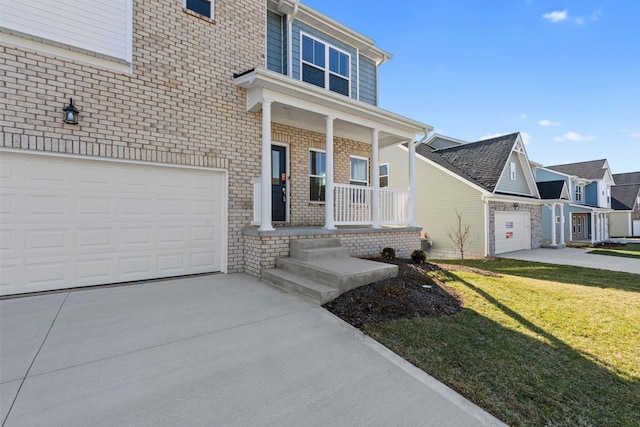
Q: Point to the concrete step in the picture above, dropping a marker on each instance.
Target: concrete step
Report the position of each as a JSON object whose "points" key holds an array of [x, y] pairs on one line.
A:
{"points": [[342, 273], [302, 244], [315, 292], [319, 253]]}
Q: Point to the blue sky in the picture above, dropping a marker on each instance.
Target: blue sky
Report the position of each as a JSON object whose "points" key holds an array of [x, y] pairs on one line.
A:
{"points": [[564, 73]]}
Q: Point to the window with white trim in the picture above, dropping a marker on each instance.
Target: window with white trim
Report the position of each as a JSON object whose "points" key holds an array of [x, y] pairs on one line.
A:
{"points": [[325, 66], [359, 171], [513, 171], [317, 175], [201, 7], [579, 189], [384, 175]]}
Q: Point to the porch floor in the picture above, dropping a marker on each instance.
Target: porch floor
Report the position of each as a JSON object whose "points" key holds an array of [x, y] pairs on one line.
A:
{"points": [[285, 230]]}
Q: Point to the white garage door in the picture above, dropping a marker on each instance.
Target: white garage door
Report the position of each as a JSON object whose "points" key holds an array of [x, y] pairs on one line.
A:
{"points": [[69, 222], [513, 231], [636, 228]]}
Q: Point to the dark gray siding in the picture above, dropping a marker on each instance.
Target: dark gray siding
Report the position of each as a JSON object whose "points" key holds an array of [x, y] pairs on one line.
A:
{"points": [[276, 43], [368, 81]]}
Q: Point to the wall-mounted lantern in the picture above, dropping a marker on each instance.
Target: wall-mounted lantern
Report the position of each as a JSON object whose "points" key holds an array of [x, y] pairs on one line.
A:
{"points": [[516, 206], [71, 113]]}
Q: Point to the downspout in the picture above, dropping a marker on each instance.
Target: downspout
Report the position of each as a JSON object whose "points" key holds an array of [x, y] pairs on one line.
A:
{"points": [[412, 177], [486, 226], [290, 17], [378, 64]]}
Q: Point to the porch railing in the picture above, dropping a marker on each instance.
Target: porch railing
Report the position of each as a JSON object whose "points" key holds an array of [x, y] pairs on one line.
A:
{"points": [[352, 205], [395, 206]]}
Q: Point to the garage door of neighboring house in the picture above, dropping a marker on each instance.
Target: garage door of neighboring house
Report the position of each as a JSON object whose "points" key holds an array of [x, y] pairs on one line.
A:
{"points": [[636, 228], [70, 222], [513, 231]]}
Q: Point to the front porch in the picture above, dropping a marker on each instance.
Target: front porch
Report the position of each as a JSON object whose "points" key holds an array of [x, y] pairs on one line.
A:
{"points": [[263, 247]]}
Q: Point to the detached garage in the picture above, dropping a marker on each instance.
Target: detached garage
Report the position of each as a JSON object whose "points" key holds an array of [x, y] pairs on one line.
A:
{"points": [[512, 231], [76, 221]]}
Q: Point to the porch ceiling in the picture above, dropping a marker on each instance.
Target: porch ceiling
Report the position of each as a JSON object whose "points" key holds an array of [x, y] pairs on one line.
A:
{"points": [[305, 106]]}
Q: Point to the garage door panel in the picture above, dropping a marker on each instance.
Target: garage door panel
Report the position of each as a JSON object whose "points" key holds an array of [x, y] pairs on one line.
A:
{"points": [[106, 222], [512, 231]]}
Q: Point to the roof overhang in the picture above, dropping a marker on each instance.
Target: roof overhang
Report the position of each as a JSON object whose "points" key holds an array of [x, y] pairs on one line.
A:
{"points": [[303, 105], [327, 25]]}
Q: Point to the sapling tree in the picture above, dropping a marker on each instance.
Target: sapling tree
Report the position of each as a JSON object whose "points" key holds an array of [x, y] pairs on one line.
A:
{"points": [[460, 236]]}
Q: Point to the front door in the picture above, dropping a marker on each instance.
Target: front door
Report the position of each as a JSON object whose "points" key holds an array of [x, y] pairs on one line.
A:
{"points": [[278, 183], [580, 228]]}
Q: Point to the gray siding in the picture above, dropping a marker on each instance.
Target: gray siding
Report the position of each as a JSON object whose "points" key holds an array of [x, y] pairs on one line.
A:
{"points": [[275, 43], [368, 81], [517, 186]]}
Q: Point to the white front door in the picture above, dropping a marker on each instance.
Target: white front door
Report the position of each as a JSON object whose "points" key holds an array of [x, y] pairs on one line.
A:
{"points": [[70, 221]]}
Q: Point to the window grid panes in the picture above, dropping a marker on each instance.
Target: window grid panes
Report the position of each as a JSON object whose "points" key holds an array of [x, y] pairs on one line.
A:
{"points": [[315, 56], [317, 176], [203, 7], [359, 171], [384, 175]]}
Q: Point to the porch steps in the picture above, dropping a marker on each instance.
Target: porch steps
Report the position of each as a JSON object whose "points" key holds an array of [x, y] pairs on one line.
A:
{"points": [[321, 270]]}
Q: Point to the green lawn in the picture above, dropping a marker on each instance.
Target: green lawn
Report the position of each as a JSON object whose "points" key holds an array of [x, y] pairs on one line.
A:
{"points": [[630, 250], [541, 345]]}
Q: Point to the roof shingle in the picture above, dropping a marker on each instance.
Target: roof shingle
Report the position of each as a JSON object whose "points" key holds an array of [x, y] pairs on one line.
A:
{"points": [[594, 169], [479, 162], [623, 197]]}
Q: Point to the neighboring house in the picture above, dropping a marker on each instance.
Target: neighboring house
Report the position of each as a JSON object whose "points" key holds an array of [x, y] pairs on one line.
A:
{"points": [[589, 184], [625, 202], [490, 183], [202, 124]]}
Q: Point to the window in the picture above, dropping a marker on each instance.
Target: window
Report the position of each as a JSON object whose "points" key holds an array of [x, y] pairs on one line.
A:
{"points": [[315, 57], [359, 171], [384, 175], [578, 193], [608, 195], [513, 171], [317, 175], [202, 7]]}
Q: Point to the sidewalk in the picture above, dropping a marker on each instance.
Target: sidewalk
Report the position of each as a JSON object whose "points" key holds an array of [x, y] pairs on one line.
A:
{"points": [[578, 257]]}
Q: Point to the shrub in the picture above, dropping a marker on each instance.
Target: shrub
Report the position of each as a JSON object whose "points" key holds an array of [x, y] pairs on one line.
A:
{"points": [[418, 256], [388, 254]]}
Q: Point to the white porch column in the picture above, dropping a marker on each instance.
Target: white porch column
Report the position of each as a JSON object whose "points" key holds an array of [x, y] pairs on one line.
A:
{"points": [[593, 227], [554, 227], [328, 195], [412, 182], [265, 181], [598, 227], [375, 179], [562, 224]]}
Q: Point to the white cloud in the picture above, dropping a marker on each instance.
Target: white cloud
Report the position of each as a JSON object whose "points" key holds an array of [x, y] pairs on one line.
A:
{"points": [[635, 134], [523, 116], [563, 15], [546, 122], [526, 138], [556, 16], [574, 137]]}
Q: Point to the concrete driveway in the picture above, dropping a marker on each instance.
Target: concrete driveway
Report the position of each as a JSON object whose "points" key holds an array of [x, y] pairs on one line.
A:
{"points": [[578, 257], [224, 350]]}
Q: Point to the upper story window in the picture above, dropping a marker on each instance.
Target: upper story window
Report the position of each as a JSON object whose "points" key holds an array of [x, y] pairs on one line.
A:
{"points": [[608, 196], [384, 175], [317, 175], [202, 7], [513, 171], [579, 189], [359, 171], [325, 66]]}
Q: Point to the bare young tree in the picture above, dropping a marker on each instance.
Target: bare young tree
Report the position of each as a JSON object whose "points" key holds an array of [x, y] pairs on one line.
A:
{"points": [[460, 236]]}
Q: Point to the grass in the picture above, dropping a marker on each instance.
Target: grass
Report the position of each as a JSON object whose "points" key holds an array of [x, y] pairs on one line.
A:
{"points": [[541, 345], [630, 250]]}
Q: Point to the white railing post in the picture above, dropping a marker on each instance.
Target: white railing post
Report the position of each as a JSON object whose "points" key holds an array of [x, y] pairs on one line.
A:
{"points": [[375, 180], [329, 222], [554, 226], [265, 214]]}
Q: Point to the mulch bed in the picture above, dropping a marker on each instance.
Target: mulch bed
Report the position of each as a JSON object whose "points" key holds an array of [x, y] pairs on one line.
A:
{"points": [[413, 294]]}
